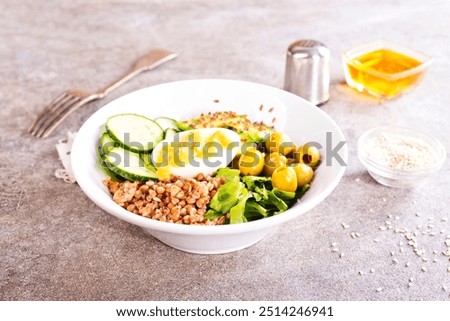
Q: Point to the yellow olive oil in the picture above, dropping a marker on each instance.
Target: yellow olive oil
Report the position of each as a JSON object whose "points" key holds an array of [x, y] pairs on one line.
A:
{"points": [[383, 73]]}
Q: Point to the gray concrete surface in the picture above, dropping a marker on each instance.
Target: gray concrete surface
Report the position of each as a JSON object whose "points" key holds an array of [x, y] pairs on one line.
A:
{"points": [[55, 244]]}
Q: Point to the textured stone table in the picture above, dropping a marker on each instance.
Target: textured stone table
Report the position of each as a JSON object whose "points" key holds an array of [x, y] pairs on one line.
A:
{"points": [[55, 244]]}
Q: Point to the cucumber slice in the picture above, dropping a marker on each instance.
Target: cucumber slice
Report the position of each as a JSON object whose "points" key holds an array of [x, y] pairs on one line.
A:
{"points": [[166, 123], [169, 133], [129, 165], [134, 132], [106, 143]]}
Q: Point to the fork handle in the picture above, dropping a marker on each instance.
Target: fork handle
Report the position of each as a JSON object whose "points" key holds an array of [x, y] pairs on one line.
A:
{"points": [[148, 62]]}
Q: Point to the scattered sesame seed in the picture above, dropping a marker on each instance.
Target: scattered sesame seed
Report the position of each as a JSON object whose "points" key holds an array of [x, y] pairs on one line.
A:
{"points": [[444, 219], [419, 227], [418, 214], [357, 234], [410, 284], [433, 234], [400, 243], [333, 244], [424, 269], [435, 260], [379, 289], [394, 260], [346, 226], [448, 269], [444, 287], [341, 255], [382, 228], [402, 250], [384, 200], [392, 253], [388, 223], [361, 272], [435, 252], [447, 243], [376, 240], [334, 249], [424, 259], [430, 225], [407, 264], [372, 270], [411, 279], [397, 218], [370, 210]]}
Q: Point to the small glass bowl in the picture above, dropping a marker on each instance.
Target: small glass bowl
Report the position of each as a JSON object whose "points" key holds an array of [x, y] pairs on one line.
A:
{"points": [[380, 83], [400, 178]]}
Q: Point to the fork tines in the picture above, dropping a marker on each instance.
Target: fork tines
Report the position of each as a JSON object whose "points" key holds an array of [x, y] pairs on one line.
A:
{"points": [[56, 112]]}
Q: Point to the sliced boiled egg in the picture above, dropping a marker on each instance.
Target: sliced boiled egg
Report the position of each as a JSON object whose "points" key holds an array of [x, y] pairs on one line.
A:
{"points": [[196, 151]]}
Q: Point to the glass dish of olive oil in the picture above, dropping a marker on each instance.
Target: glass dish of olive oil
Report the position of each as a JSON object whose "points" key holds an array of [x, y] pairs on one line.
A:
{"points": [[383, 69]]}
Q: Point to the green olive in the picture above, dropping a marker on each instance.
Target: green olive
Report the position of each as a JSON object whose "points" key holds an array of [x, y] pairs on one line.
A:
{"points": [[304, 174], [308, 154], [279, 142]]}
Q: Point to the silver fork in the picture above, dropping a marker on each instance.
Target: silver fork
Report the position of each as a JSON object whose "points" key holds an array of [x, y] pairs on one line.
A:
{"points": [[73, 99]]}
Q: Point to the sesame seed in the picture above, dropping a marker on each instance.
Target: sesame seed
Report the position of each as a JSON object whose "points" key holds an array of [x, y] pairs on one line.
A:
{"points": [[435, 252], [384, 200], [444, 219], [372, 270], [410, 284], [400, 243], [448, 269], [370, 210], [361, 272], [444, 287], [376, 240], [389, 216], [382, 228], [333, 244], [394, 260], [407, 264], [357, 234], [392, 253], [341, 255], [435, 260], [379, 289], [418, 214], [345, 226], [397, 218], [424, 259], [424, 269], [411, 279], [334, 250], [388, 223], [433, 234], [402, 250]]}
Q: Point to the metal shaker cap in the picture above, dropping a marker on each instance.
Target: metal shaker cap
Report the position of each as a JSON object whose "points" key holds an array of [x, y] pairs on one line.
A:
{"points": [[308, 71]]}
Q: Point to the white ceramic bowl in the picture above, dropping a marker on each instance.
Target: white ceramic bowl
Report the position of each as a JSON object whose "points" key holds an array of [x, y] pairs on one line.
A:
{"points": [[302, 121]]}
